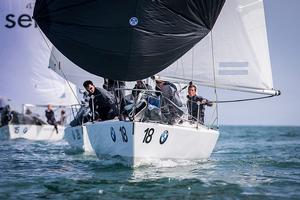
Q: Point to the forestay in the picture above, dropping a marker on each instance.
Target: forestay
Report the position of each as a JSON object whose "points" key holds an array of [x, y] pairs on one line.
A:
{"points": [[236, 52]]}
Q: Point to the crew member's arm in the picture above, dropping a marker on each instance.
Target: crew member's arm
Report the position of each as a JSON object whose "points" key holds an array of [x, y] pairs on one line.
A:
{"points": [[206, 102]]}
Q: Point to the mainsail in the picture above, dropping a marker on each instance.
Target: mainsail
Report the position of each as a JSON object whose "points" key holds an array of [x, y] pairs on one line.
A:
{"points": [[234, 56], [126, 40], [25, 76]]}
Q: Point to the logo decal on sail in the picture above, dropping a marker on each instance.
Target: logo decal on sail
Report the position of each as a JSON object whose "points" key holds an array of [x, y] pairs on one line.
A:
{"points": [[112, 134], [163, 137], [133, 21]]}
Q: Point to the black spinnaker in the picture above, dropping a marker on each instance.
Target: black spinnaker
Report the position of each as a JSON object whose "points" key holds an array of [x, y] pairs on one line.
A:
{"points": [[125, 39]]}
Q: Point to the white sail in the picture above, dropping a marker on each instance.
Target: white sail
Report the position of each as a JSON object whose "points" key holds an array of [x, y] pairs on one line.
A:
{"points": [[238, 47], [24, 54], [69, 71]]}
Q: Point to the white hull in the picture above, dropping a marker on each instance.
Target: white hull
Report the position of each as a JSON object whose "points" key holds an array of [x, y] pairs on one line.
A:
{"points": [[31, 132], [137, 141]]}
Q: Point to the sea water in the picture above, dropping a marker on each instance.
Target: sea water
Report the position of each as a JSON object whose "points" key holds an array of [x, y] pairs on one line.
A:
{"points": [[247, 163]]}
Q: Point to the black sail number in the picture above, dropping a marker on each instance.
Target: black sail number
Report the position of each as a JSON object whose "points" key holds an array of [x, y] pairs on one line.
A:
{"points": [[123, 134], [148, 135], [25, 130], [17, 129], [113, 134], [76, 134]]}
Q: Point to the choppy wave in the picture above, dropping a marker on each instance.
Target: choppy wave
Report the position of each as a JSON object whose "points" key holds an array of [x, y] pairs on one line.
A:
{"points": [[248, 163]]}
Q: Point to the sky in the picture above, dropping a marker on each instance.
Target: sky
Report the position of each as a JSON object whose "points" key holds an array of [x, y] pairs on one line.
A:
{"points": [[283, 28]]}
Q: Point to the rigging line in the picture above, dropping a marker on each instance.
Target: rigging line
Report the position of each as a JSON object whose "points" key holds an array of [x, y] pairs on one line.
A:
{"points": [[48, 47], [240, 100], [214, 75], [46, 43], [183, 73], [193, 64], [65, 77], [68, 83], [212, 119]]}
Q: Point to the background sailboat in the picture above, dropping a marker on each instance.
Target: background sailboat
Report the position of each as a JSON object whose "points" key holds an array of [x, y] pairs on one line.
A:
{"points": [[25, 76]]}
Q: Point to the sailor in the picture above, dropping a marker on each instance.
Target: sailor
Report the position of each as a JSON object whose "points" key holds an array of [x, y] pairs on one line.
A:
{"points": [[33, 117], [102, 102], [84, 113], [111, 85], [5, 112], [140, 85], [63, 117], [50, 117], [117, 88], [196, 104], [170, 101]]}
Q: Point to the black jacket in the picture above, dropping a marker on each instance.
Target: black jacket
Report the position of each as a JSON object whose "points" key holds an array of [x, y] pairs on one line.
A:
{"points": [[193, 107], [169, 90], [50, 116], [104, 101], [145, 86], [103, 98]]}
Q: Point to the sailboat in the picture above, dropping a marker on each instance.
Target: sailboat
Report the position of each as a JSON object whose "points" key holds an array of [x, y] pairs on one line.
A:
{"points": [[26, 79], [219, 44]]}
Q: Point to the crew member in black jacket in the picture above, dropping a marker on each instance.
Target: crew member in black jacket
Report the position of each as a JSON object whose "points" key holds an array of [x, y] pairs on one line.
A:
{"points": [[103, 102], [196, 104]]}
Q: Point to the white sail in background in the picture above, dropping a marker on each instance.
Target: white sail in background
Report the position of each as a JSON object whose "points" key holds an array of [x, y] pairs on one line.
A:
{"points": [[68, 70], [240, 52], [24, 54]]}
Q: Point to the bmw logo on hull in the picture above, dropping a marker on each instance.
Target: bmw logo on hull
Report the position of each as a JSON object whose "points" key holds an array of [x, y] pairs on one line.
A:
{"points": [[163, 137], [133, 21]]}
